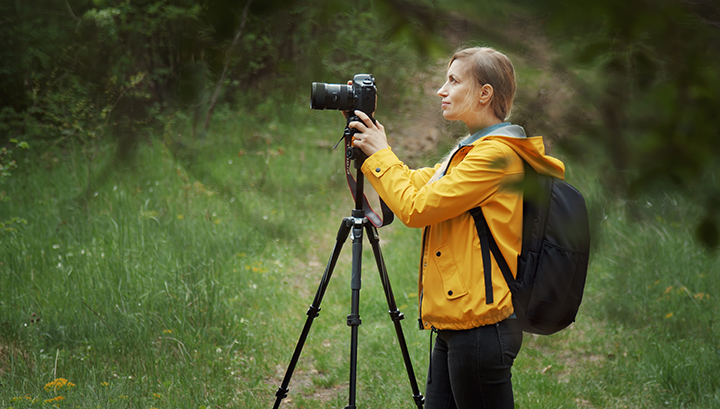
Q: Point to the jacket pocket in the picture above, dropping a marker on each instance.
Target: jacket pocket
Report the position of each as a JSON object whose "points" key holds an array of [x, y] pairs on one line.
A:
{"points": [[447, 267]]}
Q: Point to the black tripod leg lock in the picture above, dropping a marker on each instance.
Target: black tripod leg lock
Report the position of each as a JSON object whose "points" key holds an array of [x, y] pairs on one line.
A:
{"points": [[353, 320], [313, 311], [282, 393], [397, 316]]}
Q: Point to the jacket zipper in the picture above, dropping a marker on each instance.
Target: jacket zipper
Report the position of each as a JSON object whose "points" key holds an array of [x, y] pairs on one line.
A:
{"points": [[422, 274], [449, 162], [430, 360], [424, 242]]}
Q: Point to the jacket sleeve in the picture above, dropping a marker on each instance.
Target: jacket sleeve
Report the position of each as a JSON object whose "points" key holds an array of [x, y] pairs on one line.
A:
{"points": [[420, 177], [468, 184]]}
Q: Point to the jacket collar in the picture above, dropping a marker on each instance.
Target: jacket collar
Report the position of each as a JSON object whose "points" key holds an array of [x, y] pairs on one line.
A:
{"points": [[501, 129]]}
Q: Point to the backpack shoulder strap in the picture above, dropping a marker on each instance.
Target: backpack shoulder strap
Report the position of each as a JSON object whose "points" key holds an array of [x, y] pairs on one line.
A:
{"points": [[487, 245], [483, 232]]}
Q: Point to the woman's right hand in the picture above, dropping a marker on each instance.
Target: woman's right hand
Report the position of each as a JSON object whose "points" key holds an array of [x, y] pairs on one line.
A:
{"points": [[370, 136]]}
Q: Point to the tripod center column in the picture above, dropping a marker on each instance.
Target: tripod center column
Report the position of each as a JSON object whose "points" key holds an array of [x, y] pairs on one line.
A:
{"points": [[356, 235]]}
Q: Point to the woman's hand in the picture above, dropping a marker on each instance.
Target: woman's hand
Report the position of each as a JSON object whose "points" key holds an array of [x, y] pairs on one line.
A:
{"points": [[370, 137]]}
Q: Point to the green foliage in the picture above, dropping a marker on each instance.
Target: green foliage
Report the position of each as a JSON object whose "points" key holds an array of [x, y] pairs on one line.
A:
{"points": [[116, 69], [7, 164]]}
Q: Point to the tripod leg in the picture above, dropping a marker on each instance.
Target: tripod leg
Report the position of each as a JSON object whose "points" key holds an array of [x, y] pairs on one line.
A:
{"points": [[314, 309], [395, 314], [353, 320]]}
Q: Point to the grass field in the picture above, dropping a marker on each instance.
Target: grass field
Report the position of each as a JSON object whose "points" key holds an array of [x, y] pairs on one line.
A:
{"points": [[180, 278]]}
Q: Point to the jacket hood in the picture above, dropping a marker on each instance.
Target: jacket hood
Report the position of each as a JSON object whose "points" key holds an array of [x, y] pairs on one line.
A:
{"points": [[532, 150]]}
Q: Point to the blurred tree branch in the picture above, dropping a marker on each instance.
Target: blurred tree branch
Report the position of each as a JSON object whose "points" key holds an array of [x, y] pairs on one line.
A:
{"points": [[231, 48]]}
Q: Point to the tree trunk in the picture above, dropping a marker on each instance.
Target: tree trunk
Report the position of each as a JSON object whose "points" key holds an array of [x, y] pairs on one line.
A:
{"points": [[218, 87]]}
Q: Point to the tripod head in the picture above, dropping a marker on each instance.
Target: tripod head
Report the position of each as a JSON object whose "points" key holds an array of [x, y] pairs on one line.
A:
{"points": [[351, 152], [362, 207]]}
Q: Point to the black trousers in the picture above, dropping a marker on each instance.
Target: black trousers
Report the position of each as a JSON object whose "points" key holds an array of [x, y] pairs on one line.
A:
{"points": [[470, 369]]}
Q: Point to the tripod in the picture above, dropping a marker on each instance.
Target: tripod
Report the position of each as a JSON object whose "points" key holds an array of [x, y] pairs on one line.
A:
{"points": [[354, 227]]}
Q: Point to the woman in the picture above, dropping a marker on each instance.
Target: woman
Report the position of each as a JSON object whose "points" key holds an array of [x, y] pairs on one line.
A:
{"points": [[478, 337]]}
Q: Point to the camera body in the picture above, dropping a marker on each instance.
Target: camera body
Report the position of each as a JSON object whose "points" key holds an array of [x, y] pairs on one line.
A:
{"points": [[361, 95]]}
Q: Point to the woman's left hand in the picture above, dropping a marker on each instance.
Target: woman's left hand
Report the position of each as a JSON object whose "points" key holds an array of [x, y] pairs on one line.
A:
{"points": [[370, 137]]}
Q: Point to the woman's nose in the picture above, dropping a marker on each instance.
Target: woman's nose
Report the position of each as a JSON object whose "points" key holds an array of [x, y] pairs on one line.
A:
{"points": [[441, 92]]}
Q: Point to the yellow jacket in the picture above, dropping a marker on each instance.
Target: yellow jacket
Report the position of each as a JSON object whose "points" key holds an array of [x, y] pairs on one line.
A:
{"points": [[480, 173]]}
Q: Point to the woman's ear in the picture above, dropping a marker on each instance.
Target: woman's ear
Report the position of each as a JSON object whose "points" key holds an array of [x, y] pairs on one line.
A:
{"points": [[486, 93]]}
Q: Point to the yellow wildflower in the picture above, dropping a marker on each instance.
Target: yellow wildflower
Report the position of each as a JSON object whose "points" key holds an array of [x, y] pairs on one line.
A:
{"points": [[55, 399], [58, 384]]}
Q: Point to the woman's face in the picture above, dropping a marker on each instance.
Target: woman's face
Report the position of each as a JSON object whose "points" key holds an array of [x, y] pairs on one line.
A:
{"points": [[456, 93]]}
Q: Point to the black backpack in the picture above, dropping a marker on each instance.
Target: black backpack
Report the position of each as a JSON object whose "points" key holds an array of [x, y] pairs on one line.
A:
{"points": [[552, 265]]}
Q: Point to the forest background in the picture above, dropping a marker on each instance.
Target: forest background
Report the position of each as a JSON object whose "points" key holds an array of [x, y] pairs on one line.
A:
{"points": [[167, 197]]}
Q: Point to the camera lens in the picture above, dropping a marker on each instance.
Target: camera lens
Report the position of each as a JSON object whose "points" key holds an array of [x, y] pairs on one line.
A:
{"points": [[331, 96]]}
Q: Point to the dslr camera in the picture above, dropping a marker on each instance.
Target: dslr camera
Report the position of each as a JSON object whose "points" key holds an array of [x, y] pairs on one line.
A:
{"points": [[361, 95]]}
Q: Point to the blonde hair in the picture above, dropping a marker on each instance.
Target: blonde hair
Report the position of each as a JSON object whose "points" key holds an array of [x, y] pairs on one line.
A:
{"points": [[489, 66]]}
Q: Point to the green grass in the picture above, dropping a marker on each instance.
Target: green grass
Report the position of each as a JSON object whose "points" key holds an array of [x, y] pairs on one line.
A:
{"points": [[180, 279]]}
